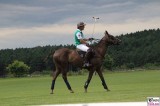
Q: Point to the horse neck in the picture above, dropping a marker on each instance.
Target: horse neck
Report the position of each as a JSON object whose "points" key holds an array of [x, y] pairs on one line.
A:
{"points": [[101, 47]]}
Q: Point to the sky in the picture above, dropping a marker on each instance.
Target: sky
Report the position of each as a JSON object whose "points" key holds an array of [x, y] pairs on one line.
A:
{"points": [[31, 23]]}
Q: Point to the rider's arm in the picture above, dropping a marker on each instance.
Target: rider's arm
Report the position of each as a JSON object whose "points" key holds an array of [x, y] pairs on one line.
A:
{"points": [[84, 41]]}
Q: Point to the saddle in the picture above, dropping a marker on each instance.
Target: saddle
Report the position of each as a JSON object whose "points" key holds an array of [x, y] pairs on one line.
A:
{"points": [[81, 53], [86, 57]]}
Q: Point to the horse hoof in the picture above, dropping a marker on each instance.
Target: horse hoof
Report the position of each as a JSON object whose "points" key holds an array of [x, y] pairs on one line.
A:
{"points": [[71, 91], [108, 90], [85, 90], [51, 92]]}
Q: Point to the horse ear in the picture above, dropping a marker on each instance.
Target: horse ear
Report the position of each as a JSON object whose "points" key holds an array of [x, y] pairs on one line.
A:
{"points": [[106, 32]]}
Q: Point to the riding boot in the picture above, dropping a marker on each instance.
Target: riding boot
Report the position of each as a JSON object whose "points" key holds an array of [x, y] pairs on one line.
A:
{"points": [[87, 58]]}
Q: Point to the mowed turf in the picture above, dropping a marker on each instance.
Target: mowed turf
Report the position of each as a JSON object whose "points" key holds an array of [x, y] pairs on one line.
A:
{"points": [[125, 86]]}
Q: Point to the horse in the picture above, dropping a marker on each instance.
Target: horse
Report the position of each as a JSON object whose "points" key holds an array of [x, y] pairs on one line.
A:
{"points": [[64, 57]]}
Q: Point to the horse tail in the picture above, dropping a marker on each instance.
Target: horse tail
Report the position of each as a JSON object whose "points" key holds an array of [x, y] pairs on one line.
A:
{"points": [[49, 55], [49, 61]]}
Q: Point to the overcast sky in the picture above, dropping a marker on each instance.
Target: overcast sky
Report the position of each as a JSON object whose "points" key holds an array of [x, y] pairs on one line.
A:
{"points": [[31, 23]]}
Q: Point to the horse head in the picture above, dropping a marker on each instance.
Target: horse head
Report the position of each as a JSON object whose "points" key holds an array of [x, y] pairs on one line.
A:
{"points": [[111, 40]]}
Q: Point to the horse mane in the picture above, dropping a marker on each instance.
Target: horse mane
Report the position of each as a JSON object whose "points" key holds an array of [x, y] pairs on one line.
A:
{"points": [[101, 42], [100, 47]]}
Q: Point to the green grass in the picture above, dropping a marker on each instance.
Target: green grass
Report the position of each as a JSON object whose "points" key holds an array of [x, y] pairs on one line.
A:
{"points": [[124, 86]]}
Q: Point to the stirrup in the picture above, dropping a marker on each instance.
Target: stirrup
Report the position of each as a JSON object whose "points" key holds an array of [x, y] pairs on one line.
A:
{"points": [[87, 65]]}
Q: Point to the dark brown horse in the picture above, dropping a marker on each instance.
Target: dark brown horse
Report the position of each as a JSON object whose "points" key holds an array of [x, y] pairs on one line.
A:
{"points": [[63, 57]]}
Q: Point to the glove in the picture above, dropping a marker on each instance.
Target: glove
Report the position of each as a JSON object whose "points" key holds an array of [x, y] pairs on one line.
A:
{"points": [[91, 39]]}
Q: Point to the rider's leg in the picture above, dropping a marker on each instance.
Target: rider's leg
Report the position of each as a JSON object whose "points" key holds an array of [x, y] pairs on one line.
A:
{"points": [[82, 47], [88, 57], [88, 51]]}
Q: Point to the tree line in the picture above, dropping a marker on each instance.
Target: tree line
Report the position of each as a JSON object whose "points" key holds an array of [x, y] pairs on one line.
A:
{"points": [[136, 50]]}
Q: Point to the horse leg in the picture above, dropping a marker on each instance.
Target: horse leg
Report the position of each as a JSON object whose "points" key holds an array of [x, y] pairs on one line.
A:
{"points": [[64, 75], [88, 80], [102, 79], [56, 73]]}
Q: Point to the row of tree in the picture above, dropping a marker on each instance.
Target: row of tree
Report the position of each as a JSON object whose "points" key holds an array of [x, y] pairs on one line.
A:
{"points": [[35, 58], [136, 49]]}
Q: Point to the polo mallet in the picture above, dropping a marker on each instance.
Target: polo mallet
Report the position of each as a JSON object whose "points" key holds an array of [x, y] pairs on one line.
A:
{"points": [[95, 20]]}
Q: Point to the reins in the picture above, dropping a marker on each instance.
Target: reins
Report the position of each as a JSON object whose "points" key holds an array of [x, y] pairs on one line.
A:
{"points": [[96, 41]]}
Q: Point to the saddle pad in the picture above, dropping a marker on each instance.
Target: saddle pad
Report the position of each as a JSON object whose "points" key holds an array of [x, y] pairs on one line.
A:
{"points": [[81, 53]]}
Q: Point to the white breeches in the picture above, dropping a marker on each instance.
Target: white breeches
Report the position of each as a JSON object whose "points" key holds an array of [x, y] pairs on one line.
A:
{"points": [[82, 47]]}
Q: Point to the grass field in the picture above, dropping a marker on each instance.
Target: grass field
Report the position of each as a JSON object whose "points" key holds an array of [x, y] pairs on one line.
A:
{"points": [[125, 86]]}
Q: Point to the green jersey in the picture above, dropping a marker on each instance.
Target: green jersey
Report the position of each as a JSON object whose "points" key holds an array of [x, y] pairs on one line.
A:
{"points": [[77, 36]]}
